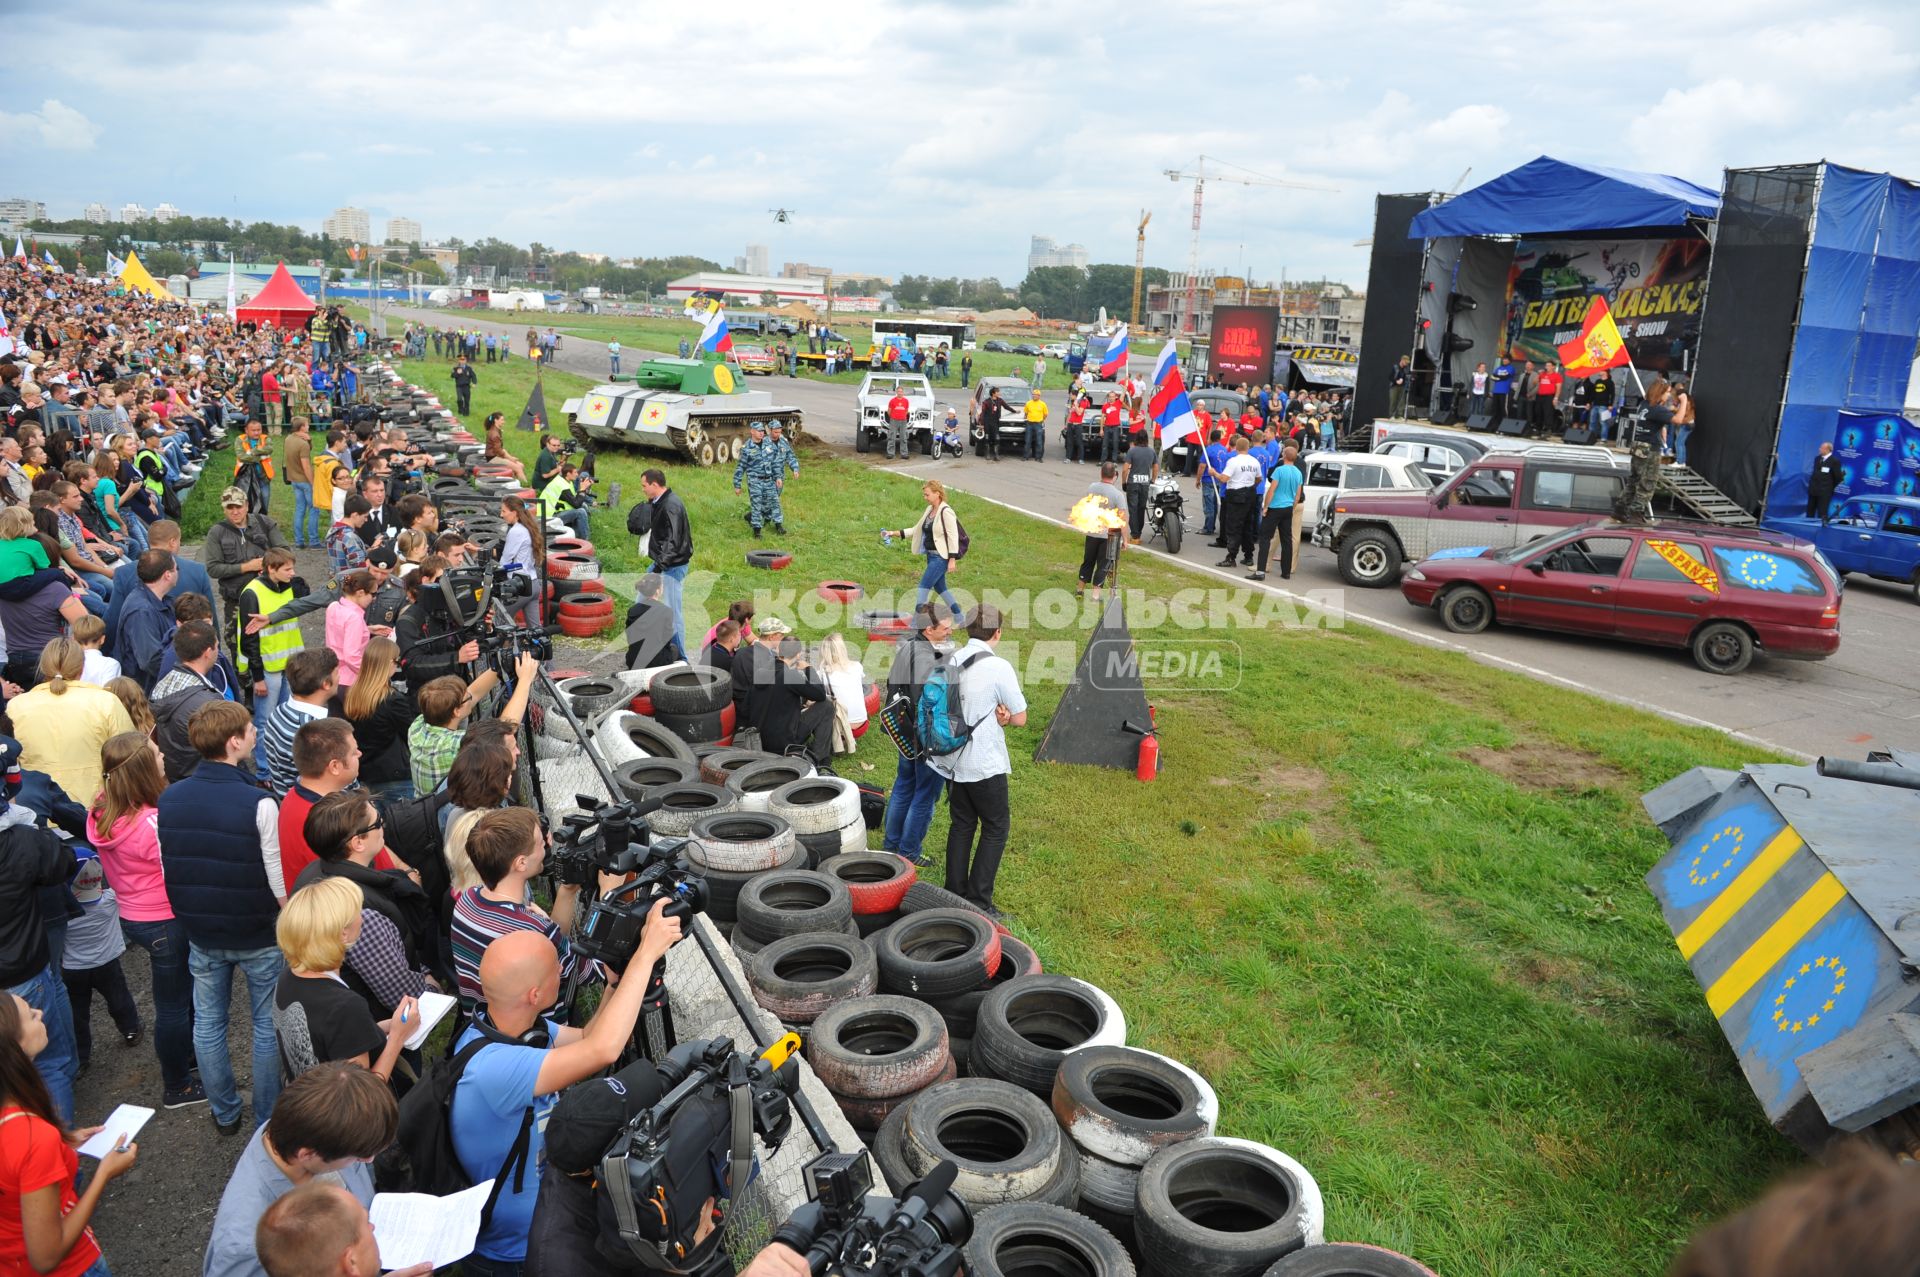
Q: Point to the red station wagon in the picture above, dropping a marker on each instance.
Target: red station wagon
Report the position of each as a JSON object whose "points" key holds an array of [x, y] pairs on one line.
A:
{"points": [[1719, 592]]}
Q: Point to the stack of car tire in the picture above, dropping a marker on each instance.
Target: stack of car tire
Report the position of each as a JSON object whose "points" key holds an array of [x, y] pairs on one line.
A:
{"points": [[577, 598], [940, 1037]]}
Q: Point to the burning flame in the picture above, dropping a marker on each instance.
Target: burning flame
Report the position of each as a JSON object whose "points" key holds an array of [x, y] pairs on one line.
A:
{"points": [[1095, 516]]}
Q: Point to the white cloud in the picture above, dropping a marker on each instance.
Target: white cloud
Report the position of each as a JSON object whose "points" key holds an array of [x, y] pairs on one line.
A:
{"points": [[392, 148], [59, 126]]}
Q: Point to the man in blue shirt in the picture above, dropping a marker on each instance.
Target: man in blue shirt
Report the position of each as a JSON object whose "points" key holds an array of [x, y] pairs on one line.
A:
{"points": [[1503, 389], [1217, 456], [162, 534], [513, 1082], [1283, 498]]}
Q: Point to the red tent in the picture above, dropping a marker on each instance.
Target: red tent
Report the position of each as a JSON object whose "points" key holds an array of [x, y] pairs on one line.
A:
{"points": [[280, 304]]}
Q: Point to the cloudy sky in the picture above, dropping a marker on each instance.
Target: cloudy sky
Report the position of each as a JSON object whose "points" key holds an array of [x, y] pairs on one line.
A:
{"points": [[916, 135]]}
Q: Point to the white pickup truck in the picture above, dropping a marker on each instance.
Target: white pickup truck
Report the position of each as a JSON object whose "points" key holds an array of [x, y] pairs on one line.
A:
{"points": [[870, 417]]}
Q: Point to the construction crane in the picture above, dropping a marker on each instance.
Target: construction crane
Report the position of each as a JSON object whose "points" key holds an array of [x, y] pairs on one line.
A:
{"points": [[1200, 178], [1139, 268]]}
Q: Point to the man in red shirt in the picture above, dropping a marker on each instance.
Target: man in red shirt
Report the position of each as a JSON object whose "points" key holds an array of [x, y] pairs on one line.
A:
{"points": [[270, 394], [328, 760], [898, 409], [1250, 423], [1113, 443], [1542, 415]]}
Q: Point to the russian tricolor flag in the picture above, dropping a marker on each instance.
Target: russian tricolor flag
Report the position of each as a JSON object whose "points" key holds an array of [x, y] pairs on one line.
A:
{"points": [[1169, 406], [714, 336], [1115, 360]]}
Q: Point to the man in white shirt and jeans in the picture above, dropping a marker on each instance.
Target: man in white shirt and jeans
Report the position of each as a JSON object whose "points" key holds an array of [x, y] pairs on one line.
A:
{"points": [[990, 700]]}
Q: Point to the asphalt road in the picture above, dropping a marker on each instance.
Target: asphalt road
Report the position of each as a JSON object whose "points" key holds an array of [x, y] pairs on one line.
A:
{"points": [[1865, 697]]}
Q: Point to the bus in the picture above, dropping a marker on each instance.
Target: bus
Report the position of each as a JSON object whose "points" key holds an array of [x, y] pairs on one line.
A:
{"points": [[922, 334]]}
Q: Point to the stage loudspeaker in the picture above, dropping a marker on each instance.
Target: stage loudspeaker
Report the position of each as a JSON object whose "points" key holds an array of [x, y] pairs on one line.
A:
{"points": [[1480, 422], [1578, 434], [1089, 726], [1513, 426]]}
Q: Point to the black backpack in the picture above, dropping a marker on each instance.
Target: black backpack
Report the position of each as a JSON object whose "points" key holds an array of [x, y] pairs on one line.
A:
{"points": [[422, 1158]]}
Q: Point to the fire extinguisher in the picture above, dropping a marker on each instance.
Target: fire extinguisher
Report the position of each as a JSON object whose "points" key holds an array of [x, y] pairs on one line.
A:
{"points": [[1147, 765]]}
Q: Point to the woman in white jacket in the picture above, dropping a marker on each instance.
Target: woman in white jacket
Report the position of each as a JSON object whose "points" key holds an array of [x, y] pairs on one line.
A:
{"points": [[937, 536]]}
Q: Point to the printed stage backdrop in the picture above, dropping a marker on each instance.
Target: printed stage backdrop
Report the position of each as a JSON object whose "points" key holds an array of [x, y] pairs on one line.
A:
{"points": [[1653, 286]]}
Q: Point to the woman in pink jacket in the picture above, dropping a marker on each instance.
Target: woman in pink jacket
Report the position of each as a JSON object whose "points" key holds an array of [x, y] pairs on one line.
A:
{"points": [[121, 825], [347, 631]]}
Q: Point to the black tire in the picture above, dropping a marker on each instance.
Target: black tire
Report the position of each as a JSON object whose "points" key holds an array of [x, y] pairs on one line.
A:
{"points": [[1722, 647], [755, 782], [889, 1149], [590, 697], [792, 903], [962, 1048], [1226, 1207], [1027, 1238], [860, 442], [926, 444], [800, 976], [685, 804], [724, 886], [821, 847], [922, 896], [1123, 1106], [867, 1115], [1370, 559], [690, 690], [1027, 1026], [695, 729], [1004, 1142], [643, 775], [878, 1047], [817, 804], [740, 842], [939, 952], [1347, 1259], [1107, 1186], [1465, 609], [654, 740], [870, 925], [769, 559], [719, 762], [1171, 527], [962, 1010]]}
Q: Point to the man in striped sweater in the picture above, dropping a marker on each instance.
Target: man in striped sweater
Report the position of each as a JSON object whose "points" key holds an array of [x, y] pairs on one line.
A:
{"points": [[508, 848]]}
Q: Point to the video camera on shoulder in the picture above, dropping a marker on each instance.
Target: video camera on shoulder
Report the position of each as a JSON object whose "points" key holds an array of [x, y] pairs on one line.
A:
{"points": [[616, 839], [661, 1140], [847, 1230]]}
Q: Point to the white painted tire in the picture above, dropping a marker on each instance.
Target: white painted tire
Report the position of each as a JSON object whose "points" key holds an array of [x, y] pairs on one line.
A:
{"points": [[817, 804]]}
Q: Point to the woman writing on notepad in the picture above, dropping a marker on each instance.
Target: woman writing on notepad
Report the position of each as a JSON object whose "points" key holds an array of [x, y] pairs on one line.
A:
{"points": [[43, 1221], [316, 1017], [395, 956]]}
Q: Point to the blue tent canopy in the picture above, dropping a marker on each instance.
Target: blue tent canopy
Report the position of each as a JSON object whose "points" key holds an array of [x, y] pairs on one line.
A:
{"points": [[1552, 197]]}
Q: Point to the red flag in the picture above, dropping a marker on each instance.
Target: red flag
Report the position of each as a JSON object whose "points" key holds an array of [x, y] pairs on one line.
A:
{"points": [[1599, 345]]}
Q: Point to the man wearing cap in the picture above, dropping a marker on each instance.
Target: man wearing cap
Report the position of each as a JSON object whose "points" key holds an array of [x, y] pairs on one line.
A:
{"points": [[794, 711], [463, 379], [753, 668], [520, 1063], [784, 459], [236, 549], [757, 468]]}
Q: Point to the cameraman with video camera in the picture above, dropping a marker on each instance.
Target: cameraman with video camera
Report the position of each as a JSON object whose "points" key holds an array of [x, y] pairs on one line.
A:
{"points": [[510, 1085]]}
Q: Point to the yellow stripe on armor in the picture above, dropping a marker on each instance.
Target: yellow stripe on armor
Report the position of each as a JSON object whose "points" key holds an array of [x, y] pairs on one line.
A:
{"points": [[1765, 953], [1729, 902]]}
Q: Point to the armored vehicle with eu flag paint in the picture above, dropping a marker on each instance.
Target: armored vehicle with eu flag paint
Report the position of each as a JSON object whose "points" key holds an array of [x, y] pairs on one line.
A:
{"points": [[699, 409], [1793, 893]]}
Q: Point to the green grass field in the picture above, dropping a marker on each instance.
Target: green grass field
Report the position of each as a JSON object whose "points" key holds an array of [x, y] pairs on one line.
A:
{"points": [[1388, 900]]}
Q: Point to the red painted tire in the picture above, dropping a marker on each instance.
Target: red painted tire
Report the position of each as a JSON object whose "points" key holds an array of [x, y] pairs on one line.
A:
{"points": [[642, 704], [875, 880], [771, 560], [840, 591], [569, 545], [579, 627], [561, 676], [873, 699], [594, 586], [860, 729], [558, 567], [885, 636], [587, 607], [525, 494], [564, 566], [728, 722]]}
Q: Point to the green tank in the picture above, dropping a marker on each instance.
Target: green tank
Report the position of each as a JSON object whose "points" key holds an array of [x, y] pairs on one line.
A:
{"points": [[696, 408]]}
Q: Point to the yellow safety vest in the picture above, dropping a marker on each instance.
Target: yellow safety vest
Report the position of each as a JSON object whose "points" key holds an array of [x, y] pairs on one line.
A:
{"points": [[278, 642], [557, 495]]}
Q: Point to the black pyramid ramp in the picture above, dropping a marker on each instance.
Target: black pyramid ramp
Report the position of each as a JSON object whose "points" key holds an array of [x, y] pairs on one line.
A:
{"points": [[534, 415], [1106, 693]]}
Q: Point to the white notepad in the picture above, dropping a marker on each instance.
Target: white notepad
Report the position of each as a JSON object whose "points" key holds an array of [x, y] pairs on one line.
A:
{"points": [[433, 1009], [126, 1120]]}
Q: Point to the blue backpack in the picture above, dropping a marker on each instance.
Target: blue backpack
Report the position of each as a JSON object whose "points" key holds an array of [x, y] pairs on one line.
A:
{"points": [[939, 724]]}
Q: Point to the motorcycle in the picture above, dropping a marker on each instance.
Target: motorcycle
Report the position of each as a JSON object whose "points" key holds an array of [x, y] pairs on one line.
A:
{"points": [[1167, 512]]}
